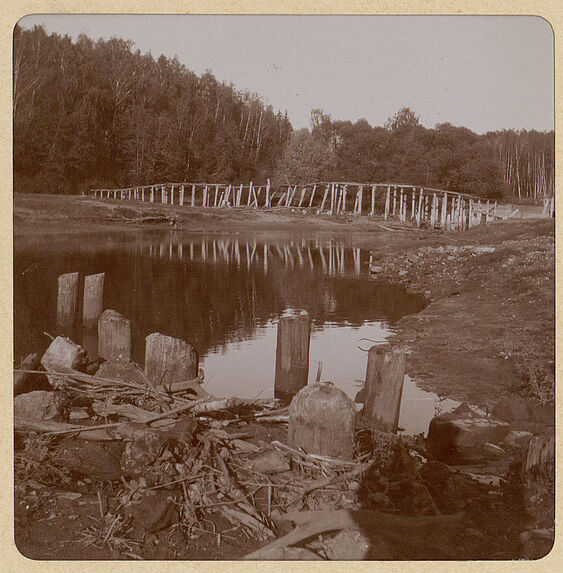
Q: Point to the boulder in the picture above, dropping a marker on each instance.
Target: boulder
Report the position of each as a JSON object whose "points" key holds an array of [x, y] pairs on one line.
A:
{"points": [[463, 428], [122, 368], [517, 440], [269, 462], [26, 381], [63, 353], [155, 512], [91, 459], [38, 405]]}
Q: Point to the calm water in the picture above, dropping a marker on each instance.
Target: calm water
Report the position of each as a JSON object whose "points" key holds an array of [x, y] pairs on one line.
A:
{"points": [[224, 295]]}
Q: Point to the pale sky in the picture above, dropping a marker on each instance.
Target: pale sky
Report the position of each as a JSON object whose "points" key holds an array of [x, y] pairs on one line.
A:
{"points": [[481, 72]]}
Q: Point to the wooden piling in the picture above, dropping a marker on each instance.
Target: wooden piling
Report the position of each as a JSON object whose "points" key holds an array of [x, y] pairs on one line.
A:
{"points": [[152, 194], [169, 359], [312, 196], [387, 202], [322, 421], [292, 354], [267, 203], [182, 192], [114, 335], [324, 198], [372, 200], [93, 299], [384, 387], [394, 199], [193, 196], [303, 189], [67, 299]]}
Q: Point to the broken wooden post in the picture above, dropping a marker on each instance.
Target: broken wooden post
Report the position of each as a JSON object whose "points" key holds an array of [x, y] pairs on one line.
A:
{"points": [[322, 420], [93, 299], [114, 335], [67, 300], [384, 387], [292, 354], [169, 359]]}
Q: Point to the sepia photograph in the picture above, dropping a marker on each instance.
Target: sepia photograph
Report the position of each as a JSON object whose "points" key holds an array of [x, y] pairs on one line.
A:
{"points": [[283, 287]]}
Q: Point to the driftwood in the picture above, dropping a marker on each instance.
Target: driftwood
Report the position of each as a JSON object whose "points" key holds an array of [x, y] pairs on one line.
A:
{"points": [[312, 523]]}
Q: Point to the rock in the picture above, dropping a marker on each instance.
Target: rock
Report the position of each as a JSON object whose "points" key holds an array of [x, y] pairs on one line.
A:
{"points": [[27, 382], [63, 353], [403, 273], [462, 428], [122, 368], [155, 512], [493, 449], [517, 440], [38, 405], [354, 545], [91, 459], [376, 269], [270, 462]]}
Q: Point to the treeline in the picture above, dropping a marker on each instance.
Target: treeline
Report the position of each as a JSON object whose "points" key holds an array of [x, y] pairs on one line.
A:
{"points": [[99, 114], [495, 164], [96, 114]]}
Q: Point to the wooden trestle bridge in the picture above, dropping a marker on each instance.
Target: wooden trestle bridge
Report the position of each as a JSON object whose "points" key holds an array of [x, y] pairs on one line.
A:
{"points": [[421, 206]]}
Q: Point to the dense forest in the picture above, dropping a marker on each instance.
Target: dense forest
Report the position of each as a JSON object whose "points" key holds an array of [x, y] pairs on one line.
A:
{"points": [[100, 114]]}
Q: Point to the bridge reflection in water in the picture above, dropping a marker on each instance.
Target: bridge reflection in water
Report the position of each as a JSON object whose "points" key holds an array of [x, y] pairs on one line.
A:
{"points": [[332, 258]]}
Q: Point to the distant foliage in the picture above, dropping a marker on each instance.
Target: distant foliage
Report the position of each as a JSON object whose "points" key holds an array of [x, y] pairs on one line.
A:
{"points": [[100, 114], [403, 151]]}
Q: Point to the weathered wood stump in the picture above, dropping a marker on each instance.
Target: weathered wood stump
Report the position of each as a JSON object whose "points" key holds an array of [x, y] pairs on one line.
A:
{"points": [[292, 353], [93, 299], [384, 387], [67, 300], [322, 420], [169, 359], [540, 460], [114, 335]]}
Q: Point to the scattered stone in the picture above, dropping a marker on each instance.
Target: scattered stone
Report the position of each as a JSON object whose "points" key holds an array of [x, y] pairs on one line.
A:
{"points": [[38, 405], [26, 381], [376, 269], [463, 428], [155, 512], [493, 449], [122, 368], [348, 545], [517, 439], [91, 459], [78, 413], [270, 462], [63, 353]]}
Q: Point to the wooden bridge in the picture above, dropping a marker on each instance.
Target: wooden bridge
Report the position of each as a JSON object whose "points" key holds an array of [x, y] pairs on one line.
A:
{"points": [[421, 206]]}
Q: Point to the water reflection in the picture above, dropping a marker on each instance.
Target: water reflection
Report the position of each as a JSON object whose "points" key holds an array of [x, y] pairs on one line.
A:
{"points": [[221, 293]]}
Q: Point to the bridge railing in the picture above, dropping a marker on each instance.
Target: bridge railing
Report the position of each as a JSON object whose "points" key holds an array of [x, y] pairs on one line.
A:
{"points": [[418, 205]]}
